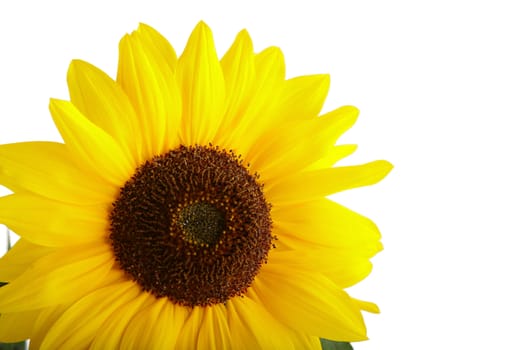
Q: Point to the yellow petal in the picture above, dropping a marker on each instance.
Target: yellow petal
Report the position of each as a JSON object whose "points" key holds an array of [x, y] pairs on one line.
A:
{"points": [[324, 222], [17, 326], [269, 65], [202, 87], [111, 330], [58, 177], [49, 223], [276, 101], [367, 306], [309, 303], [320, 183], [345, 268], [158, 43], [304, 97], [214, 333], [150, 82], [205, 328], [59, 277], [46, 318], [336, 122], [92, 146], [80, 323], [332, 156], [293, 146], [305, 341], [245, 318], [265, 97], [238, 66], [155, 327], [188, 337], [100, 99], [19, 258], [285, 149]]}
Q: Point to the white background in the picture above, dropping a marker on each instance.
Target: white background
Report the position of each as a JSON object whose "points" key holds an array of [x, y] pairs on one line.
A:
{"points": [[441, 89]]}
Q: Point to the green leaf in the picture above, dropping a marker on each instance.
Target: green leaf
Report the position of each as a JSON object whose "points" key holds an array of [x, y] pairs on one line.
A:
{"points": [[13, 346], [335, 345]]}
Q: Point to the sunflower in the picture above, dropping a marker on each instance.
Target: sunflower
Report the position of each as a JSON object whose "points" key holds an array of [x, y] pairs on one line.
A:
{"points": [[186, 208]]}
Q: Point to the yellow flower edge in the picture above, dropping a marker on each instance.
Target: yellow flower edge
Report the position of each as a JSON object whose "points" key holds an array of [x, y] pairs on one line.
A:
{"points": [[67, 287]]}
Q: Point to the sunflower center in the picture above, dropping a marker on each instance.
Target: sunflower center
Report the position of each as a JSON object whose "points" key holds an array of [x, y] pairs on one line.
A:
{"points": [[201, 223], [192, 225]]}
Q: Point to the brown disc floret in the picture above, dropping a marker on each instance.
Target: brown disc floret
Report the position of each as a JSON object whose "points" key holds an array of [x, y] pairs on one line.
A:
{"points": [[192, 225]]}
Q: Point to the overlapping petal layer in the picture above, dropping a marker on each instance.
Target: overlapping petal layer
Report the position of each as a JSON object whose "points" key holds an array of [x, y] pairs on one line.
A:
{"points": [[22, 169]]}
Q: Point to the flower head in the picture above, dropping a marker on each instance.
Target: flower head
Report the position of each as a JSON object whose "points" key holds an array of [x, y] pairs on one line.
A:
{"points": [[187, 207]]}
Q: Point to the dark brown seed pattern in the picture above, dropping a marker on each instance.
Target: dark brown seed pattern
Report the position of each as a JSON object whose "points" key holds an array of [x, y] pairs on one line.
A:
{"points": [[192, 225]]}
